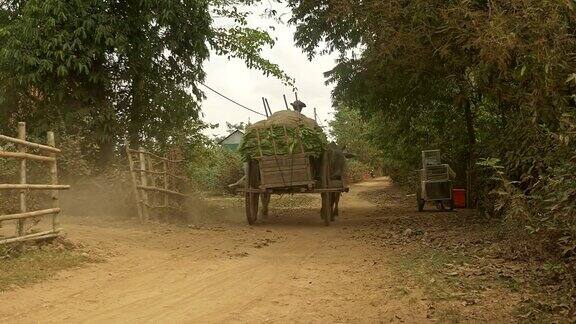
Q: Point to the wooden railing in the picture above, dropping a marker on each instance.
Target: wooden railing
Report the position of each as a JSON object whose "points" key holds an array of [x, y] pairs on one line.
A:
{"points": [[159, 183], [23, 186]]}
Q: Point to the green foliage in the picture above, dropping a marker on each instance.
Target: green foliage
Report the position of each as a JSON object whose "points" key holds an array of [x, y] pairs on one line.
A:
{"points": [[72, 162], [477, 79], [356, 171], [105, 69], [219, 168], [282, 140], [357, 136], [29, 266]]}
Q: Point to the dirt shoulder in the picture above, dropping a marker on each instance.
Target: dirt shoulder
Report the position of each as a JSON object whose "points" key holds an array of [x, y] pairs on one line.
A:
{"points": [[365, 268]]}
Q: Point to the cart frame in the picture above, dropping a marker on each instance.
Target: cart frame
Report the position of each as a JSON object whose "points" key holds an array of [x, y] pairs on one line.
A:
{"points": [[297, 177], [435, 182]]}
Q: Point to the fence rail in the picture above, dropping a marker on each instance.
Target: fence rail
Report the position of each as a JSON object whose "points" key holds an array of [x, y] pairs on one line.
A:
{"points": [[23, 186], [159, 182]]}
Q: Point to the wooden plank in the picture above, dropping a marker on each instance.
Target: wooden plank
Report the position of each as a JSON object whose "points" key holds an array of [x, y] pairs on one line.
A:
{"points": [[134, 181], [32, 237], [25, 156], [284, 185], [152, 197], [166, 181], [298, 190], [38, 213], [172, 175], [288, 157], [147, 188], [30, 144], [22, 173], [51, 141], [287, 170], [34, 187], [143, 182], [287, 178], [284, 163], [330, 190], [142, 151]]}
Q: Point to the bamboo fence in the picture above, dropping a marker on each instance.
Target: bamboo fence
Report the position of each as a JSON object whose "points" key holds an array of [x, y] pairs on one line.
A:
{"points": [[24, 187], [158, 182]]}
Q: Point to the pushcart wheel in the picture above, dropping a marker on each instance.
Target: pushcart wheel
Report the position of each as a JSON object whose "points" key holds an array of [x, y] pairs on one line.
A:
{"points": [[440, 205], [421, 202], [451, 204]]}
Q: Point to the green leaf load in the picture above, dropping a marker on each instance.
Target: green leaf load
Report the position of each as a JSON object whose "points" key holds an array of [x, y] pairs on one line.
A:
{"points": [[285, 132]]}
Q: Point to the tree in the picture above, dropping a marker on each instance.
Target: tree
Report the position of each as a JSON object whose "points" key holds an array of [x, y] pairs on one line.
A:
{"points": [[110, 68], [482, 57]]}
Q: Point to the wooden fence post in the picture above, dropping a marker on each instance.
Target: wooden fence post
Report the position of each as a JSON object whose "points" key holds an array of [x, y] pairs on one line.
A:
{"points": [[134, 181], [22, 149], [143, 182], [166, 184], [51, 141], [152, 196]]}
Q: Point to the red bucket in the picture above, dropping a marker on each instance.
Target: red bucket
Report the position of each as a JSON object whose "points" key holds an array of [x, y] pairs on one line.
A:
{"points": [[459, 198]]}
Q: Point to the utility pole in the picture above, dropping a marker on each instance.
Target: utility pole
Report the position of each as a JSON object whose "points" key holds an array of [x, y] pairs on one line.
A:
{"points": [[315, 115]]}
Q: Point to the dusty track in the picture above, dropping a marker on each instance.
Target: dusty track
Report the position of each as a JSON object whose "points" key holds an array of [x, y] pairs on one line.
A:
{"points": [[291, 268], [377, 263]]}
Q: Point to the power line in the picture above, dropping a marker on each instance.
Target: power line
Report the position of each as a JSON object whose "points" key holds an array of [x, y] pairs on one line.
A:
{"points": [[233, 101]]}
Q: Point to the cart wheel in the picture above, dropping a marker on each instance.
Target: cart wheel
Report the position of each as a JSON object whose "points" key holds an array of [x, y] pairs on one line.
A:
{"points": [[251, 204], [421, 202], [251, 198], [326, 184], [450, 204], [327, 208]]}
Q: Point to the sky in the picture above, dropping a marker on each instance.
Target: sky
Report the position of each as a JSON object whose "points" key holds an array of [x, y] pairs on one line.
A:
{"points": [[233, 79]]}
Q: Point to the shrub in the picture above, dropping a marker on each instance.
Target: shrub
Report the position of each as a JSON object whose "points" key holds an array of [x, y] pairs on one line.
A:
{"points": [[219, 168], [356, 171]]}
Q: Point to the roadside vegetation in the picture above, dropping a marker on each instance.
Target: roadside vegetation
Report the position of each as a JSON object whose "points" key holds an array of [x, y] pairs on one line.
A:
{"points": [[490, 83], [466, 266], [25, 265]]}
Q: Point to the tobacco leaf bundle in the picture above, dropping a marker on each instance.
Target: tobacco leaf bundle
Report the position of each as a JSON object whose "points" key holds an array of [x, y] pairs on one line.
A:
{"points": [[285, 132]]}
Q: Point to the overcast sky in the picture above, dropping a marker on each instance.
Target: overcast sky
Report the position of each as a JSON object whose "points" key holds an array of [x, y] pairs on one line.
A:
{"points": [[233, 79]]}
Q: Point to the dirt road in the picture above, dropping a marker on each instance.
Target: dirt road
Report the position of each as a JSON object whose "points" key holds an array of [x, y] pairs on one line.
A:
{"points": [[289, 269]]}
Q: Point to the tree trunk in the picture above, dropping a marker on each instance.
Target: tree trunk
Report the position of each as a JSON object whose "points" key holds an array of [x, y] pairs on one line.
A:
{"points": [[136, 124], [136, 65], [471, 153]]}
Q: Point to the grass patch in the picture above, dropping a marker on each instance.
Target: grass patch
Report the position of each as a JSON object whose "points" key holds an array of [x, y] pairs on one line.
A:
{"points": [[458, 287], [436, 272], [34, 264]]}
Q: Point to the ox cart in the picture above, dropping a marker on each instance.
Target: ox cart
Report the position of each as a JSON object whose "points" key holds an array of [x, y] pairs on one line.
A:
{"points": [[297, 173]]}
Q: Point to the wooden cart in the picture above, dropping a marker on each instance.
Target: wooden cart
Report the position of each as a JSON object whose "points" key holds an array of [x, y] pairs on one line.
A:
{"points": [[290, 174]]}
